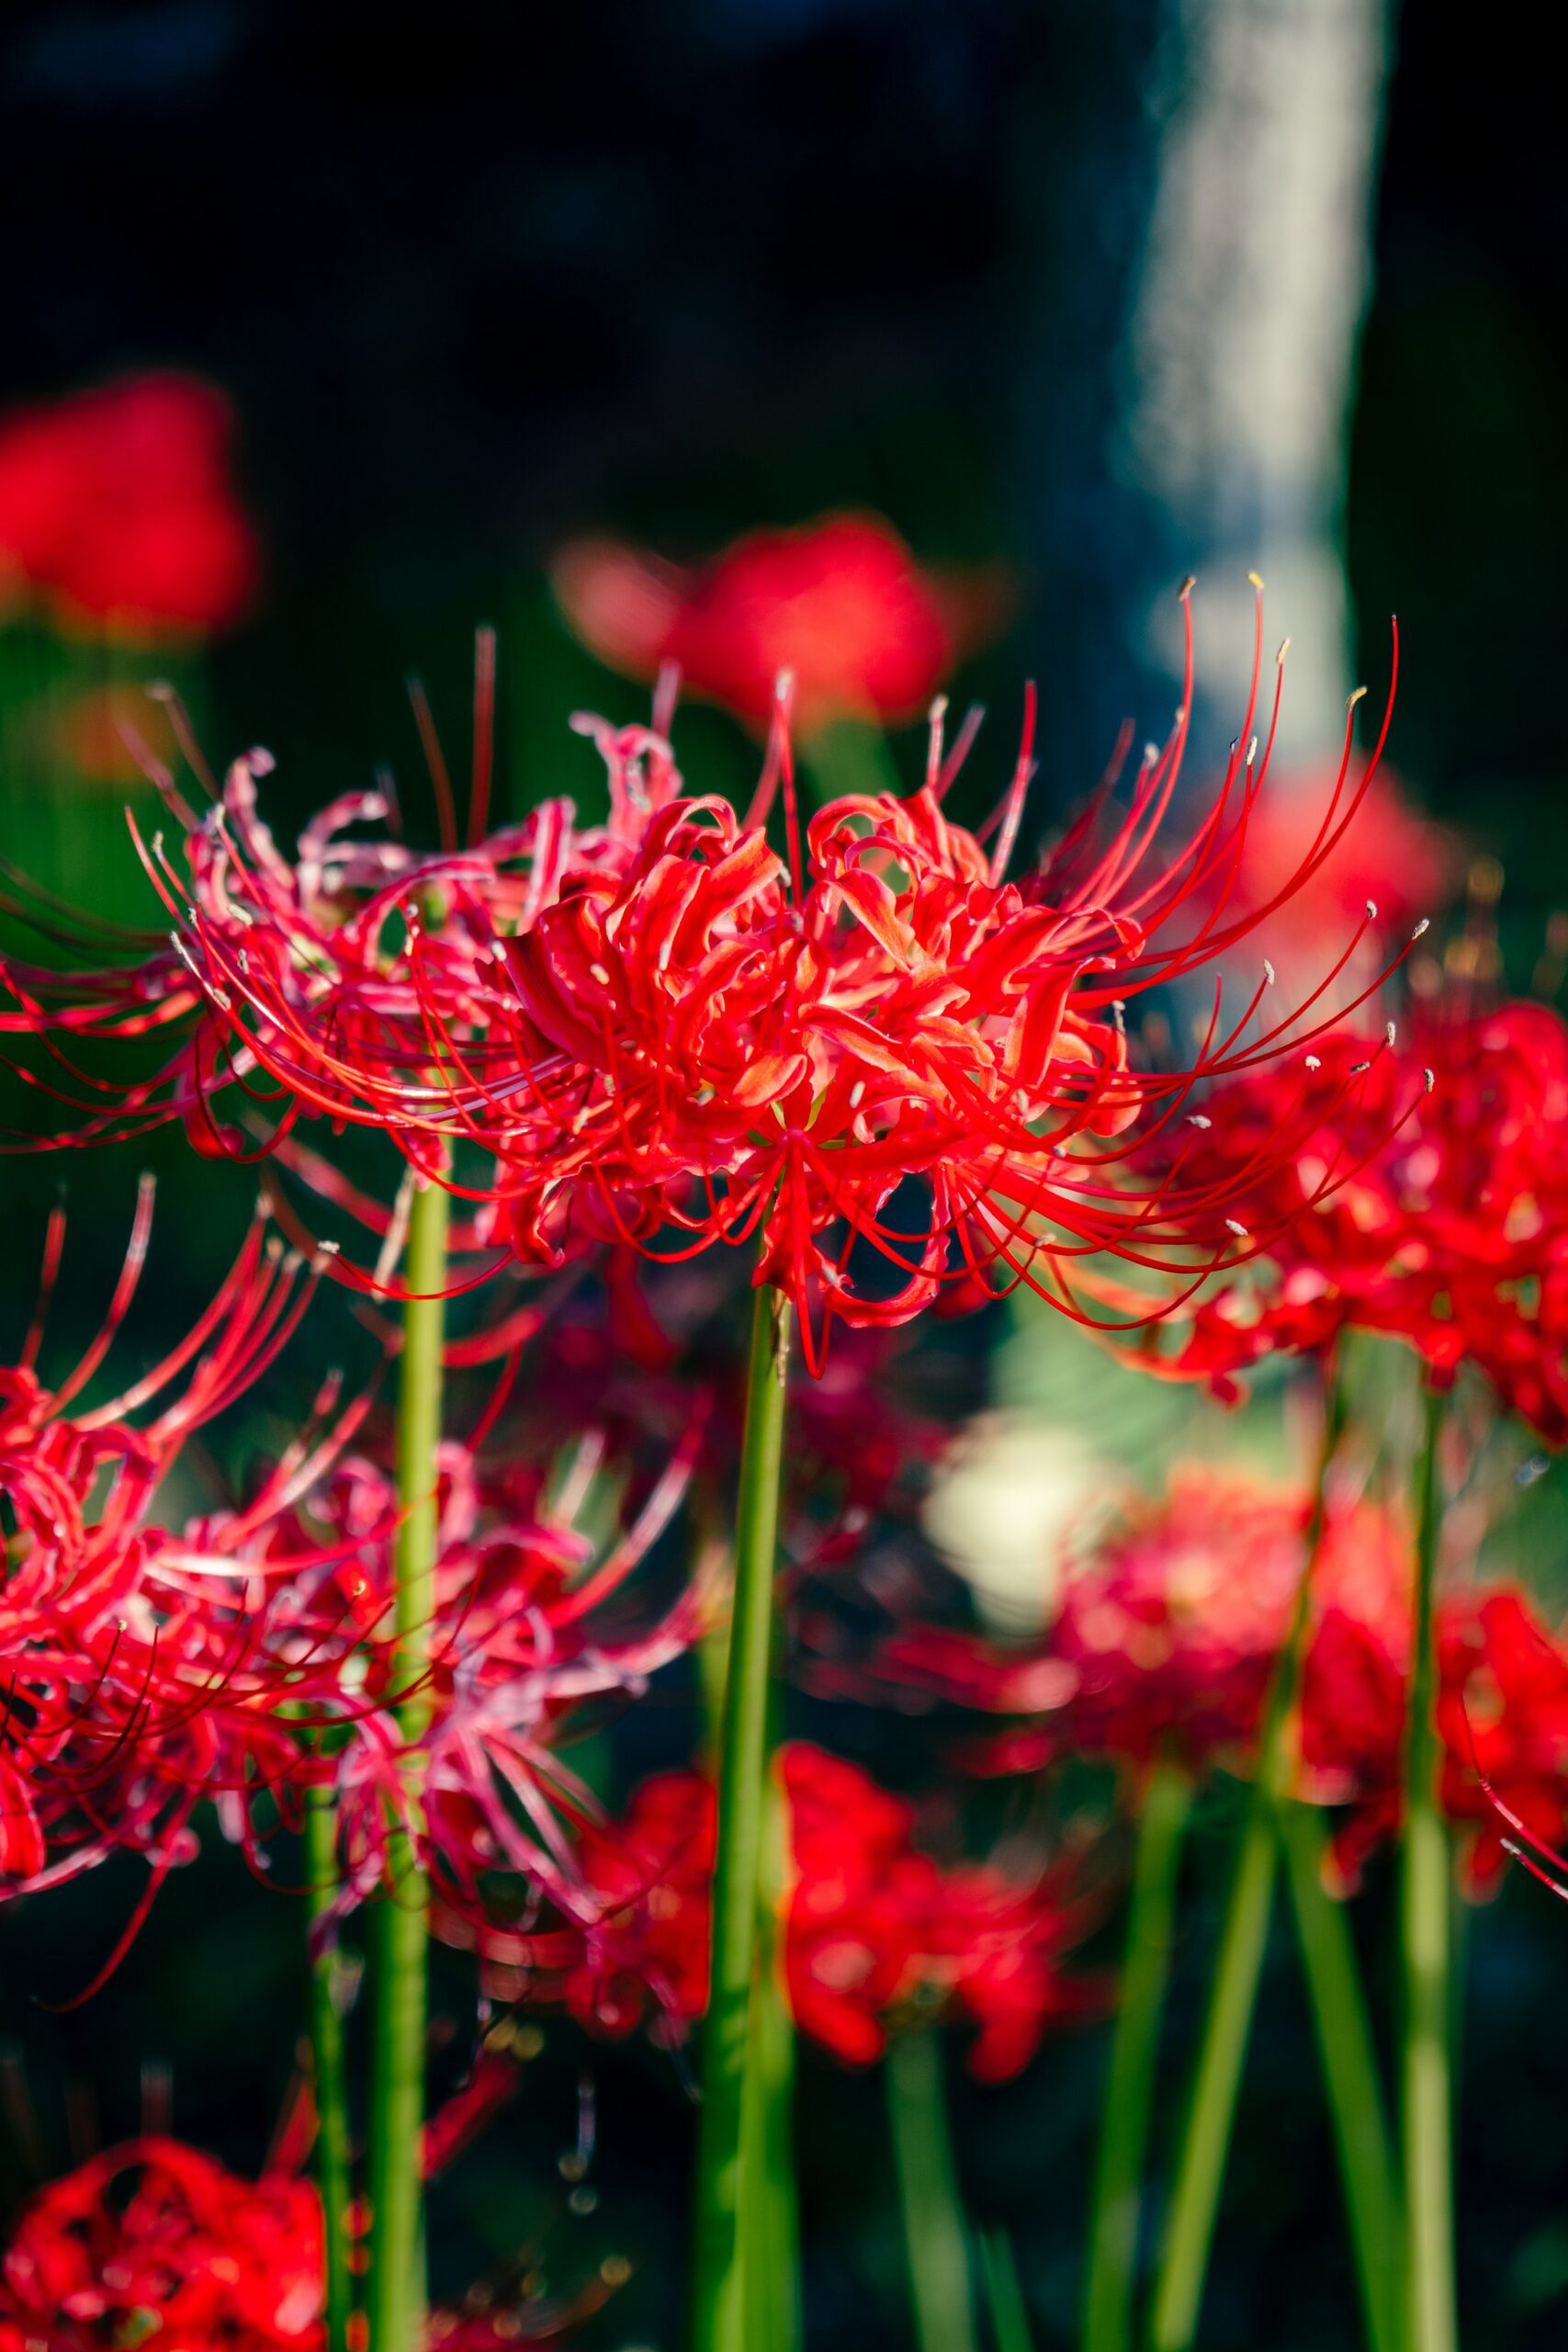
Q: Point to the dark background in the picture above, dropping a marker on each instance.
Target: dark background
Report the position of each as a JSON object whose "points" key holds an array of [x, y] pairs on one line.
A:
{"points": [[486, 278]]}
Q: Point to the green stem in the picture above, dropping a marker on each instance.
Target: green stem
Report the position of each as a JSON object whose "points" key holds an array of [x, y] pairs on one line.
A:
{"points": [[1004, 2296], [1135, 2049], [1425, 2076], [399, 1925], [718, 2299], [1189, 2229], [1350, 2075], [333, 2178], [1233, 1996], [771, 2219], [771, 2216], [935, 2237]]}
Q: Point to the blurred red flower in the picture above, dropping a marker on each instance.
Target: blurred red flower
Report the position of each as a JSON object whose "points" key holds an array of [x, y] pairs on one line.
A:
{"points": [[1167, 1634], [876, 1934], [1502, 1716], [1396, 858], [120, 504], [863, 631], [154, 2242], [1166, 1639]]}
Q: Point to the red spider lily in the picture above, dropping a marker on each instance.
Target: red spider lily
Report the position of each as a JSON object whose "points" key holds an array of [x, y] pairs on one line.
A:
{"points": [[129, 1685], [1166, 1641], [248, 1655], [531, 1622], [119, 502], [1502, 1715], [1167, 1634], [720, 1044], [155, 2244], [876, 1933], [842, 605], [682, 1034], [1447, 1226]]}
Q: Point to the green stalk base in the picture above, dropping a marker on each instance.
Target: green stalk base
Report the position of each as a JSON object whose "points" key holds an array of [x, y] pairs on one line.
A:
{"points": [[1112, 2269], [1426, 2077], [334, 2179], [398, 1937], [935, 2237], [718, 2286]]}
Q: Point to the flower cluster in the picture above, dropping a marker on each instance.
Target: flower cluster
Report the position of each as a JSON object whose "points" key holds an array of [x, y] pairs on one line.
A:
{"points": [[120, 503], [1438, 1216], [241, 1657], [528, 1624], [876, 1933], [719, 1044]]}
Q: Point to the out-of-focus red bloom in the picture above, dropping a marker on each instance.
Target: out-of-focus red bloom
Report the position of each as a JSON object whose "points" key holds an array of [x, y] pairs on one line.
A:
{"points": [[1502, 1716], [1446, 1225], [1167, 1634], [154, 2244], [1400, 861], [876, 1935], [120, 504], [842, 604], [876, 1931]]}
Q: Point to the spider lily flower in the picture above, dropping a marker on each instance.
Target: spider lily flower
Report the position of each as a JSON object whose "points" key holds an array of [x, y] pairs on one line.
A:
{"points": [[156, 2231], [1165, 1639], [132, 1686], [1165, 1634], [532, 1621], [119, 504], [865, 631], [876, 1935], [1429, 1203], [1502, 1716], [155, 2240]]}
